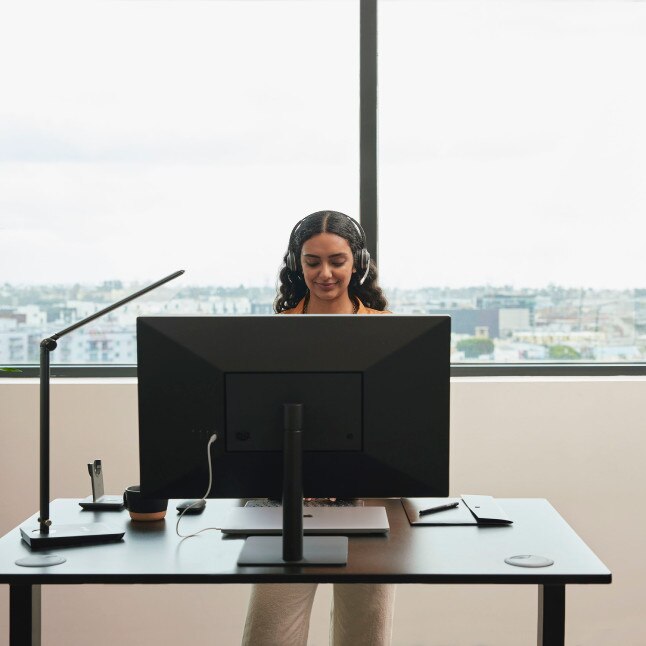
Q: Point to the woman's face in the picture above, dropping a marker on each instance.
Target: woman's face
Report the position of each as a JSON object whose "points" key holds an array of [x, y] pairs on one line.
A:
{"points": [[327, 264]]}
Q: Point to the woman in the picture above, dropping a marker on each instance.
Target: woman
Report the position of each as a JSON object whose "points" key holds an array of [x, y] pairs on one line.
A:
{"points": [[327, 270]]}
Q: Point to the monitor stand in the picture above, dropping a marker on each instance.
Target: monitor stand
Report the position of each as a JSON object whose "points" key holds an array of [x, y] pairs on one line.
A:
{"points": [[316, 550], [292, 548]]}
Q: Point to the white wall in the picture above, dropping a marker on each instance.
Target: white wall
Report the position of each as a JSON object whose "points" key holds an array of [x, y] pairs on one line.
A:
{"points": [[581, 443]]}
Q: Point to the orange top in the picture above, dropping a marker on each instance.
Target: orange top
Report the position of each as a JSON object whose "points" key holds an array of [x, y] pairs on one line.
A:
{"points": [[362, 309]]}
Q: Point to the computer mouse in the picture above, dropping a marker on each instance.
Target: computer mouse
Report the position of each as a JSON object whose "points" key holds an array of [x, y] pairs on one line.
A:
{"points": [[191, 506]]}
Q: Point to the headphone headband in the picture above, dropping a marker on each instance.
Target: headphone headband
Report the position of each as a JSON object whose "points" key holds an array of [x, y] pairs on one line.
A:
{"points": [[362, 259]]}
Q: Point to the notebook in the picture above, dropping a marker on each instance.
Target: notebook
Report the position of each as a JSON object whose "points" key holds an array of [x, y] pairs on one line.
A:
{"points": [[471, 510], [316, 520]]}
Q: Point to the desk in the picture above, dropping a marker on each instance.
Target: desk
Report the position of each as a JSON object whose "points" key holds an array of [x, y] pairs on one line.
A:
{"points": [[153, 553]]}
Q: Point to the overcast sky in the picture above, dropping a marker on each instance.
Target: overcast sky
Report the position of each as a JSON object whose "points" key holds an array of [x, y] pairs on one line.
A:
{"points": [[137, 138]]}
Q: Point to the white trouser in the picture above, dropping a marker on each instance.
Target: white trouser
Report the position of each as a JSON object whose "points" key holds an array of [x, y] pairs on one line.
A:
{"points": [[279, 614]]}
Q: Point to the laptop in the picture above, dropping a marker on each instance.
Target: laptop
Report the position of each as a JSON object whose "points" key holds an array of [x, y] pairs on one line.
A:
{"points": [[316, 520]]}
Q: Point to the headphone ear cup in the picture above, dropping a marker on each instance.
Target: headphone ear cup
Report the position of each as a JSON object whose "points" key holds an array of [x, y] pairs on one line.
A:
{"points": [[362, 260], [365, 258]]}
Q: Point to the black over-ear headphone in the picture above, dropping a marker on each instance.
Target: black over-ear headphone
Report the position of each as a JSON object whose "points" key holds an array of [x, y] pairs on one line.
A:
{"points": [[362, 258]]}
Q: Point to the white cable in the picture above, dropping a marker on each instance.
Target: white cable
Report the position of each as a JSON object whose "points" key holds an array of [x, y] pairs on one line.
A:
{"points": [[204, 497]]}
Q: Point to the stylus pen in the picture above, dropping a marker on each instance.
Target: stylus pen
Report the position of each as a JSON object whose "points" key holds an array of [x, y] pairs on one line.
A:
{"points": [[434, 510]]}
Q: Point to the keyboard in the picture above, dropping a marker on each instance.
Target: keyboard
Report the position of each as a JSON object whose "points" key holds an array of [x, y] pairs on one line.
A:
{"points": [[316, 502]]}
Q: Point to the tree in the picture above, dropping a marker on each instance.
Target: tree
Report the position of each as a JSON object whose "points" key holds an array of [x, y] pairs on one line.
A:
{"points": [[563, 352], [474, 347]]}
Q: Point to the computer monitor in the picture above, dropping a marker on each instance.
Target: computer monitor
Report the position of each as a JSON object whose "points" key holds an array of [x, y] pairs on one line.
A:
{"points": [[375, 391]]}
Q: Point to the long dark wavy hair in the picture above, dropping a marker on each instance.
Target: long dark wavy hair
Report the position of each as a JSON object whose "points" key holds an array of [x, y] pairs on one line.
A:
{"points": [[292, 287]]}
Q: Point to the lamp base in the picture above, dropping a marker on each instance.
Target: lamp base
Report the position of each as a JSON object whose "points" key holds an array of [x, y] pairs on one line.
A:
{"points": [[70, 535]]}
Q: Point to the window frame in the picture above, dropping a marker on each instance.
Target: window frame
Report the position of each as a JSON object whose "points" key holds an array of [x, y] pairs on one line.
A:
{"points": [[89, 371]]}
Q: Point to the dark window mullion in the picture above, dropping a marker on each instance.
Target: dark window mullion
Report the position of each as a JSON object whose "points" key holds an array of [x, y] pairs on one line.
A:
{"points": [[368, 123]]}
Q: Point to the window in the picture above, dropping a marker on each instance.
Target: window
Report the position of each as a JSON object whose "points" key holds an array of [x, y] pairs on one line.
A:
{"points": [[144, 137], [140, 138], [512, 157]]}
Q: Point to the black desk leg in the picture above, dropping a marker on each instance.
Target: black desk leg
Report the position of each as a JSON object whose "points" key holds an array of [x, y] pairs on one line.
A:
{"points": [[24, 601], [551, 615]]}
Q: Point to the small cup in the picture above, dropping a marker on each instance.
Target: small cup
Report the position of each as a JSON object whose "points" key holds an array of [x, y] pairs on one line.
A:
{"points": [[141, 508]]}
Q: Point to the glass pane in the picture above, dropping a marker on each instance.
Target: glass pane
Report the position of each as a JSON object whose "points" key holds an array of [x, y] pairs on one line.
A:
{"points": [[512, 156], [138, 138]]}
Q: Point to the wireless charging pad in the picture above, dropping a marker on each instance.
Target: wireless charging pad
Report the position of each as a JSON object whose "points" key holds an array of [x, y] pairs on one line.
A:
{"points": [[529, 560], [41, 560]]}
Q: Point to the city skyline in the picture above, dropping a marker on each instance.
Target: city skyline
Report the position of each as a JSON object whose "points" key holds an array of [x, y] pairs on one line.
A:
{"points": [[498, 325]]}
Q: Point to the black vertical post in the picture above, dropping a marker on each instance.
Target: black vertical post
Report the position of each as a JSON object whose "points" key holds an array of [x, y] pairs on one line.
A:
{"points": [[551, 615], [24, 620], [368, 123], [45, 347], [293, 483]]}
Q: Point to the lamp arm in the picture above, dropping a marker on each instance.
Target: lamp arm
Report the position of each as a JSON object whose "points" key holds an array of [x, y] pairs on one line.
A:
{"points": [[114, 306]]}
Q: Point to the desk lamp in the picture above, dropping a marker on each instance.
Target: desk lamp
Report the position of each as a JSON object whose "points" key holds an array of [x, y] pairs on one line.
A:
{"points": [[46, 534]]}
